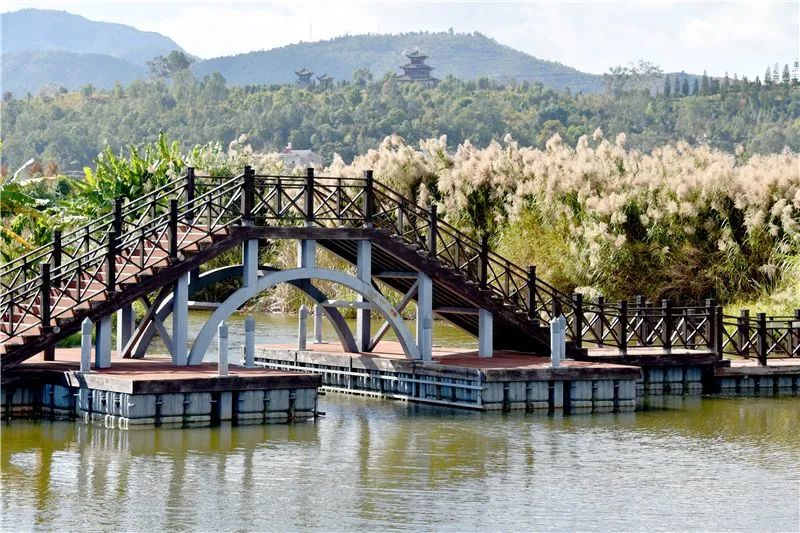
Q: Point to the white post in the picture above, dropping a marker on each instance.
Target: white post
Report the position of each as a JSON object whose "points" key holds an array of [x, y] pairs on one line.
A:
{"points": [[86, 345], [425, 317], [364, 268], [250, 262], [249, 341], [126, 324], [102, 355], [306, 253], [302, 328], [222, 332], [485, 332], [318, 324], [180, 321], [558, 328]]}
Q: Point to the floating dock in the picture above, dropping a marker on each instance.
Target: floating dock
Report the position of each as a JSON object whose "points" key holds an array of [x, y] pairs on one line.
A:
{"points": [[460, 378], [153, 392], [604, 381]]}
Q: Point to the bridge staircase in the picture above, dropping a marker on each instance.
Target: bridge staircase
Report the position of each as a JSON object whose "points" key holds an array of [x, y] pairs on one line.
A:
{"points": [[145, 245]]}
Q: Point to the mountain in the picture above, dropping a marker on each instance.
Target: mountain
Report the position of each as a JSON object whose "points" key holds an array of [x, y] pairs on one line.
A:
{"points": [[465, 56], [45, 29], [32, 71], [47, 47]]}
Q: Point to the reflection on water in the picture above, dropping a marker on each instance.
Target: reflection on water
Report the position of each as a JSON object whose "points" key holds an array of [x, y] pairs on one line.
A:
{"points": [[712, 464], [277, 328]]}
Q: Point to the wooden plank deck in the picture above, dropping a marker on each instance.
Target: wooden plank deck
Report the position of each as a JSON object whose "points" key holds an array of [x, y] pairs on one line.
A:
{"points": [[153, 375]]}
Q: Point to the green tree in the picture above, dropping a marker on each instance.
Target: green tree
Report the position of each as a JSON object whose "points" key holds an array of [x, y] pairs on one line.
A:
{"points": [[162, 67], [704, 86], [667, 86], [685, 87]]}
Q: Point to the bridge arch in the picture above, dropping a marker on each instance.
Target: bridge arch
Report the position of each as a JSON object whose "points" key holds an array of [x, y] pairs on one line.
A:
{"points": [[304, 274], [210, 277]]}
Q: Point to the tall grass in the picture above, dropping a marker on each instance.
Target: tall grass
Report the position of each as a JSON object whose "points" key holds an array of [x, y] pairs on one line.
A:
{"points": [[684, 222]]}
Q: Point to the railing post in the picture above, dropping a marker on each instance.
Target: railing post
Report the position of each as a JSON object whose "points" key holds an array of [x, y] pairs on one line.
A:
{"points": [[278, 197], [794, 334], [401, 223], [531, 291], [118, 215], [173, 228], [711, 324], [433, 230], [666, 308], [44, 300], [339, 200], [718, 330], [600, 303], [57, 251], [190, 190], [248, 195], [762, 346], [622, 339], [484, 260], [577, 320], [556, 307], [111, 263], [640, 315], [743, 329], [309, 196], [369, 198]]}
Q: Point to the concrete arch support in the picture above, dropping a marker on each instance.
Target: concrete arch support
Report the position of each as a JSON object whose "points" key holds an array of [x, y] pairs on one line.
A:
{"points": [[217, 275], [270, 279]]}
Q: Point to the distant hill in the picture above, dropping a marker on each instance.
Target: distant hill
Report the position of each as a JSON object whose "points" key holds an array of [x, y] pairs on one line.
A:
{"points": [[31, 71], [45, 29], [465, 56], [44, 47]]}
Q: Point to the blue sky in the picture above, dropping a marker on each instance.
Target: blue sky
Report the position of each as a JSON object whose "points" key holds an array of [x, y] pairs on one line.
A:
{"points": [[591, 36]]}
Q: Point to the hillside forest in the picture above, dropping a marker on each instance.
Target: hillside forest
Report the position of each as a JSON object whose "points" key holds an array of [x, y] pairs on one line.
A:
{"points": [[66, 130]]}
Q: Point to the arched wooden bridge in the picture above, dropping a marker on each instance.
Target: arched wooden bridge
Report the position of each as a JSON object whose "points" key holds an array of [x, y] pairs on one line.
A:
{"points": [[154, 249]]}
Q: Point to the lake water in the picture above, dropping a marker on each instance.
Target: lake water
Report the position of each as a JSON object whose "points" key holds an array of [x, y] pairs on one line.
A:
{"points": [[710, 464], [277, 328]]}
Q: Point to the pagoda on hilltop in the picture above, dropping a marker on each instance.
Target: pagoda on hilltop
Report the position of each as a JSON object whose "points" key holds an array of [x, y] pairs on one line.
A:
{"points": [[325, 81], [304, 77], [417, 71]]}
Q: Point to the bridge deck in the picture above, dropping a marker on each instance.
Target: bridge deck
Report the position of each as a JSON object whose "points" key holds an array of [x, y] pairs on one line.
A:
{"points": [[154, 375]]}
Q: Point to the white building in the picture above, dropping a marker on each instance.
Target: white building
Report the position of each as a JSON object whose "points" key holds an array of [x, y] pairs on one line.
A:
{"points": [[299, 158]]}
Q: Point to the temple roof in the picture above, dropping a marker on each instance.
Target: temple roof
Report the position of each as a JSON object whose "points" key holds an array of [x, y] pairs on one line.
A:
{"points": [[413, 66], [303, 72], [409, 78], [325, 77], [416, 54]]}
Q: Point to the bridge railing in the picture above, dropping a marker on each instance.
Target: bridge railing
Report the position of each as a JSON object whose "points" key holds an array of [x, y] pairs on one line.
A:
{"points": [[47, 283], [150, 232]]}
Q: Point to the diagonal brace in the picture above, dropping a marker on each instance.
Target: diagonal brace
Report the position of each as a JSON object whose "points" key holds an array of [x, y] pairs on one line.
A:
{"points": [[150, 316], [400, 307]]}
